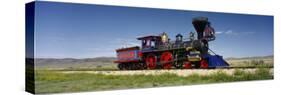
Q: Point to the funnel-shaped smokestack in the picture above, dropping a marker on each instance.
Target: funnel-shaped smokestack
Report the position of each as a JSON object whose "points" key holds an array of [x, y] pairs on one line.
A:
{"points": [[199, 24]]}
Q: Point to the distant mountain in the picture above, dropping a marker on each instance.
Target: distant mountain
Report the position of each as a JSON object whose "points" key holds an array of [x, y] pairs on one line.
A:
{"points": [[72, 62], [253, 57]]}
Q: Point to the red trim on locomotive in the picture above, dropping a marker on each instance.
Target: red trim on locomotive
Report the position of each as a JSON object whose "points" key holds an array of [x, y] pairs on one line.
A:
{"points": [[126, 55]]}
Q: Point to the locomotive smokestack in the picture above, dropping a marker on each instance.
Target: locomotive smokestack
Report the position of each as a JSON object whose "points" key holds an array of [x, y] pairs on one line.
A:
{"points": [[199, 24]]}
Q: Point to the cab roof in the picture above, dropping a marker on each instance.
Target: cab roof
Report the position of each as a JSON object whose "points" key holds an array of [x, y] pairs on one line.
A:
{"points": [[150, 37]]}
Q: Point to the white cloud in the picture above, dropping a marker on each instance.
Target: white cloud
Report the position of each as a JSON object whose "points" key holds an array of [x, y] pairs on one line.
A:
{"points": [[219, 32], [231, 32], [227, 32], [134, 43]]}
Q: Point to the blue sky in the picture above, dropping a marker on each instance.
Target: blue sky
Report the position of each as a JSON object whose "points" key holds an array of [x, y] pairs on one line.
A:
{"points": [[85, 31]]}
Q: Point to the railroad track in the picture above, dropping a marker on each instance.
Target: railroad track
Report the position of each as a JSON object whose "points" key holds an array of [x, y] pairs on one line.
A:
{"points": [[249, 67], [179, 72]]}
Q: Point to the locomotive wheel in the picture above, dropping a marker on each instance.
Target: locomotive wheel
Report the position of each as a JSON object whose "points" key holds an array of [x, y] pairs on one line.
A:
{"points": [[151, 61], [187, 65], [204, 64], [166, 59]]}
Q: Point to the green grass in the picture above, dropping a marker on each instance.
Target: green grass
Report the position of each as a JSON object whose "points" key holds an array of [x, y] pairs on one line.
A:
{"points": [[258, 63], [54, 82]]}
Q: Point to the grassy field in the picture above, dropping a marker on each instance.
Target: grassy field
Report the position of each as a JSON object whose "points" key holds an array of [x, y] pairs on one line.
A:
{"points": [[49, 76], [51, 81], [251, 62]]}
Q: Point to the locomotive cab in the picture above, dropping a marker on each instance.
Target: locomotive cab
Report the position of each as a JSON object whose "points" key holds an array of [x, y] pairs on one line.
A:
{"points": [[150, 42]]}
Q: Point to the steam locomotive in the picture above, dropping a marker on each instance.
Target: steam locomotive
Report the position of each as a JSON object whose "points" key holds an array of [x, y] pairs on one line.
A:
{"points": [[159, 52]]}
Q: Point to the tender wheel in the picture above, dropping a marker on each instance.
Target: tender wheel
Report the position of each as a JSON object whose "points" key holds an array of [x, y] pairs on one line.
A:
{"points": [[143, 66], [166, 60], [120, 66], [204, 64], [151, 61], [126, 66]]}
